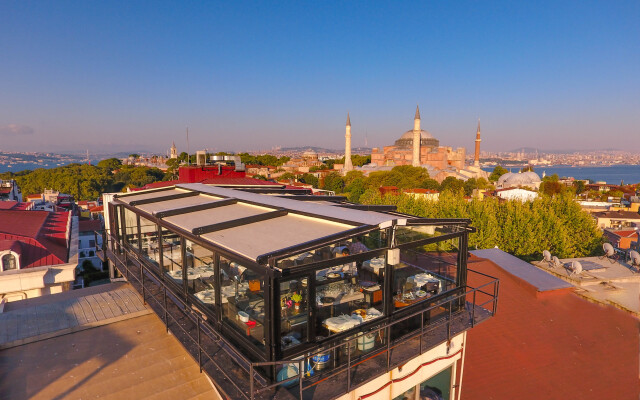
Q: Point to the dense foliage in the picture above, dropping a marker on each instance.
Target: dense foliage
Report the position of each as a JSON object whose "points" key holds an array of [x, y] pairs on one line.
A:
{"points": [[83, 181], [524, 229]]}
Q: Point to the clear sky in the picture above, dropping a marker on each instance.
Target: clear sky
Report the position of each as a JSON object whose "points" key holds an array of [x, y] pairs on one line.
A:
{"points": [[133, 75]]}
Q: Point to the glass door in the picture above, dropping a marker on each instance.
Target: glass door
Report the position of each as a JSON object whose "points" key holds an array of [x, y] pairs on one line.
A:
{"points": [[295, 307]]}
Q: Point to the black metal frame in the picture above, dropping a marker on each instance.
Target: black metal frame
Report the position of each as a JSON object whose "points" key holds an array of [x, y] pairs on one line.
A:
{"points": [[267, 267]]}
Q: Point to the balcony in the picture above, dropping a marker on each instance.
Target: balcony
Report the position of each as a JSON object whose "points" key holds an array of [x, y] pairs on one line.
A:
{"points": [[239, 377]]}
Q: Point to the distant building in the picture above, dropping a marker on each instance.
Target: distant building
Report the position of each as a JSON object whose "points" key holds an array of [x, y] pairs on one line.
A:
{"points": [[621, 238], [527, 179], [89, 242], [10, 191], [425, 194], [516, 194], [617, 219], [38, 253], [308, 160], [426, 147]]}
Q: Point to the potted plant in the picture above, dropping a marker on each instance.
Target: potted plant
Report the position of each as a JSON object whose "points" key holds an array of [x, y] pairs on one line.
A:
{"points": [[297, 298]]}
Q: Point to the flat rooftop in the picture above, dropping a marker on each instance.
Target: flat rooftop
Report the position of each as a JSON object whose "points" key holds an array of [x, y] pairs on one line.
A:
{"points": [[541, 281], [130, 356], [615, 283]]}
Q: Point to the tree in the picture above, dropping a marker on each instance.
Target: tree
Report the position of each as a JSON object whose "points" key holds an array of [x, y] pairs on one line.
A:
{"points": [[430, 184], [579, 186], [287, 175], [110, 164], [528, 168], [309, 179], [452, 184], [334, 182], [355, 189], [498, 171]]}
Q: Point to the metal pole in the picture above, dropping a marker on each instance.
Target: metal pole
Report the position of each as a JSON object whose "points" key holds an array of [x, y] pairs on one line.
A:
{"points": [[166, 321], [421, 329], [251, 381], [144, 300], [199, 347], [473, 309], [349, 364], [449, 323]]}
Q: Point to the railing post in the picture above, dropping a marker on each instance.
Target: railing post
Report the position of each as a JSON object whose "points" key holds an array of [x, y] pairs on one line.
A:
{"points": [[473, 309], [166, 321], [251, 380], [388, 347], [449, 323], [199, 347], [144, 300], [300, 375], [349, 365], [421, 329]]}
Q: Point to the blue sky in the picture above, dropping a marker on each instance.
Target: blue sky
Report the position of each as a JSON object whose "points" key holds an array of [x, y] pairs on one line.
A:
{"points": [[112, 76]]}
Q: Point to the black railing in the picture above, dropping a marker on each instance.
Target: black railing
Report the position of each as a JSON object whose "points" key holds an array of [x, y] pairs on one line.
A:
{"points": [[240, 377]]}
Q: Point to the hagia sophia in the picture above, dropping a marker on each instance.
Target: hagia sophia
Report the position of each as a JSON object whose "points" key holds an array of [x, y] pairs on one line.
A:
{"points": [[419, 148]]}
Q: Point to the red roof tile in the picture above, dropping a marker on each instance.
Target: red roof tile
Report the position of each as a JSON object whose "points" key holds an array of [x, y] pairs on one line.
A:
{"points": [[42, 236], [90, 225], [556, 346], [7, 205]]}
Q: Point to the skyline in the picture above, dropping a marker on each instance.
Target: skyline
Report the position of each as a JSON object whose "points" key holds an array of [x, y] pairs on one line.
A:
{"points": [[119, 76]]}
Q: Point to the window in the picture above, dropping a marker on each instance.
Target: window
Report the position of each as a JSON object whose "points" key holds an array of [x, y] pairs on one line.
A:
{"points": [[294, 312], [9, 262], [92, 243], [201, 273], [242, 298], [171, 254], [149, 240]]}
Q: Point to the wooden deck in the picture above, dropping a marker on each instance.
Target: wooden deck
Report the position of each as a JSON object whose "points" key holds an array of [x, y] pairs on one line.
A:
{"points": [[35, 319]]}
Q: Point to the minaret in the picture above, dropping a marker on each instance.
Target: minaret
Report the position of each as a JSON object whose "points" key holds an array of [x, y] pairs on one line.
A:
{"points": [[476, 159], [416, 139], [348, 166], [174, 150]]}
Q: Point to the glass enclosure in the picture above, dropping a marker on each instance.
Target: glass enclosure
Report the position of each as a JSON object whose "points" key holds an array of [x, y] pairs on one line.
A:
{"points": [[334, 295]]}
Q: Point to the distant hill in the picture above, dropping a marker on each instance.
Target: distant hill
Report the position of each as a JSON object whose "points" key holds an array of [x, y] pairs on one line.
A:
{"points": [[529, 150], [324, 150]]}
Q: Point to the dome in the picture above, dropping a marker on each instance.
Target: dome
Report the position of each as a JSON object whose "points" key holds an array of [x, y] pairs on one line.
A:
{"points": [[511, 179], [426, 139], [310, 154]]}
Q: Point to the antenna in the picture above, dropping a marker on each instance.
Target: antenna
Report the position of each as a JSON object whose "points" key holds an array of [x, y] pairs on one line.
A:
{"points": [[635, 259], [188, 156], [575, 268], [546, 256], [609, 253]]}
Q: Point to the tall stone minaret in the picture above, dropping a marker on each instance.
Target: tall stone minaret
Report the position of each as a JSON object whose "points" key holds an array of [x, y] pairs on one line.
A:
{"points": [[174, 150], [348, 166], [416, 139], [476, 159]]}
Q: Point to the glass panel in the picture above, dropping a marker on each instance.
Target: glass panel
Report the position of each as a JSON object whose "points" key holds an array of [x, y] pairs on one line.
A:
{"points": [[360, 244], [131, 223], [149, 233], [425, 271], [406, 234], [201, 273], [9, 262], [348, 295], [172, 256], [437, 387], [242, 293], [294, 314]]}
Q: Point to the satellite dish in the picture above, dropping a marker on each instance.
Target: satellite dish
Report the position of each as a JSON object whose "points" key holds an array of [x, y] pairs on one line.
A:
{"points": [[556, 262], [576, 268], [608, 249], [546, 255], [635, 258]]}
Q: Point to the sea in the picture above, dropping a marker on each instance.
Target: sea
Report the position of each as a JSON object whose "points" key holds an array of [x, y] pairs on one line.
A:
{"points": [[17, 167], [612, 174]]}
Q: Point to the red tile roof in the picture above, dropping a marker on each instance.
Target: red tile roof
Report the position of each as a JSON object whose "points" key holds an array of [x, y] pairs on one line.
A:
{"points": [[7, 205], [42, 236], [90, 225], [556, 346]]}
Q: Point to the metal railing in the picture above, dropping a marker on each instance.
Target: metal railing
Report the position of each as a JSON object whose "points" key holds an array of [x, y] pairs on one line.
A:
{"points": [[454, 314]]}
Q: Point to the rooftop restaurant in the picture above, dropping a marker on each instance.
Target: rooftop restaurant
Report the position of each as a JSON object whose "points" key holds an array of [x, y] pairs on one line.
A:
{"points": [[274, 292]]}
